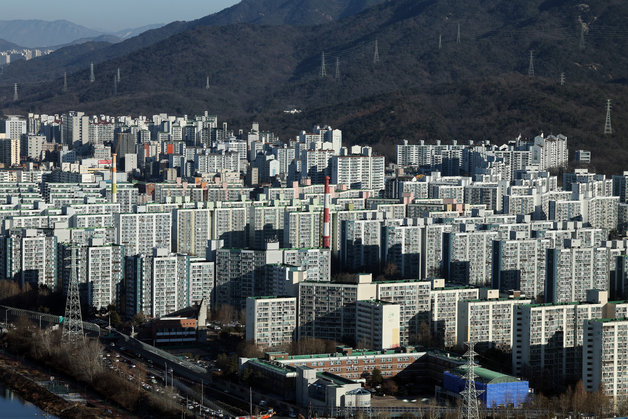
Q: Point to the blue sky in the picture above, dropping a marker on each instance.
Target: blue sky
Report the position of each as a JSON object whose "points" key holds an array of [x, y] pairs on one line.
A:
{"points": [[111, 15]]}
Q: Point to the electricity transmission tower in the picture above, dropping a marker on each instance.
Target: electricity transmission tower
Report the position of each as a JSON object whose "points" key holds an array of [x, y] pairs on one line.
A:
{"points": [[323, 73], [440, 41], [115, 85], [531, 65], [471, 405], [207, 83], [337, 77], [16, 97], [73, 322], [118, 75], [562, 79], [91, 72], [458, 36], [65, 81], [376, 54], [608, 129]]}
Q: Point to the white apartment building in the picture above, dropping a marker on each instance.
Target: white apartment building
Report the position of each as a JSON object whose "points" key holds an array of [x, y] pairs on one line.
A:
{"points": [[157, 285], [303, 229], [192, 230], [271, 321], [571, 272], [414, 300], [202, 277], [377, 324], [358, 171], [520, 265], [141, 232], [444, 310], [550, 337], [402, 247], [104, 273], [229, 225], [488, 321], [315, 262], [469, 257], [604, 357], [328, 310], [360, 244]]}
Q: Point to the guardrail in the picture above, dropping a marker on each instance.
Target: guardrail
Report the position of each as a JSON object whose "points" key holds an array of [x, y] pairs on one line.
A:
{"points": [[43, 320]]}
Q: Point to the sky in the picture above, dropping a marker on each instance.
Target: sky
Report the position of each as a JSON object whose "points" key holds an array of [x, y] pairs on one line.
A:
{"points": [[111, 15]]}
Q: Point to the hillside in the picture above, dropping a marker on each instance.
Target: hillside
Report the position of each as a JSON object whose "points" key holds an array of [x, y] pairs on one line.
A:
{"points": [[282, 12], [6, 45], [472, 89], [260, 12]]}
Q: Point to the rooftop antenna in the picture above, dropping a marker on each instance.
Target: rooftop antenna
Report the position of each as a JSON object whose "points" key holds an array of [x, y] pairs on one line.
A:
{"points": [[376, 54], [470, 408], [337, 68], [531, 66], [207, 83], [73, 321], [562, 79], [16, 97], [65, 81], [608, 129], [91, 72], [440, 41], [458, 36], [323, 69], [581, 37]]}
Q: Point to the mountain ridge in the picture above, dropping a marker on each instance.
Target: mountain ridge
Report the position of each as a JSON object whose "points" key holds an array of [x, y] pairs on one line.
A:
{"points": [[256, 71]]}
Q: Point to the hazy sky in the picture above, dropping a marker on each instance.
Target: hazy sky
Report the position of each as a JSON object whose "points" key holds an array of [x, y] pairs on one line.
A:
{"points": [[111, 14]]}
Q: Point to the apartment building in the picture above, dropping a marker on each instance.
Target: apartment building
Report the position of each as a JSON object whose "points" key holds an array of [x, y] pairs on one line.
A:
{"points": [[401, 246], [271, 321], [141, 232], [604, 357], [444, 310], [328, 310], [549, 337], [414, 300], [488, 321], [377, 324]]}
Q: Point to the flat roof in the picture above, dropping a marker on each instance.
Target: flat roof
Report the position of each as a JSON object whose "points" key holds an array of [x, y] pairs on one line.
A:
{"points": [[487, 376]]}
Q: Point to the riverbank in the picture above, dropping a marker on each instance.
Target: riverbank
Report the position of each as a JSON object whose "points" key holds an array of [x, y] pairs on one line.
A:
{"points": [[23, 381]]}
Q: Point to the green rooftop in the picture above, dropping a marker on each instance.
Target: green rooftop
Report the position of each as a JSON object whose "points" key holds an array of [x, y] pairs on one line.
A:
{"points": [[487, 376]]}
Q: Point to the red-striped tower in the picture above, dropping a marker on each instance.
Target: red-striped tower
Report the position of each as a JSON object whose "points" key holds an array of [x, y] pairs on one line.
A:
{"points": [[326, 226]]}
